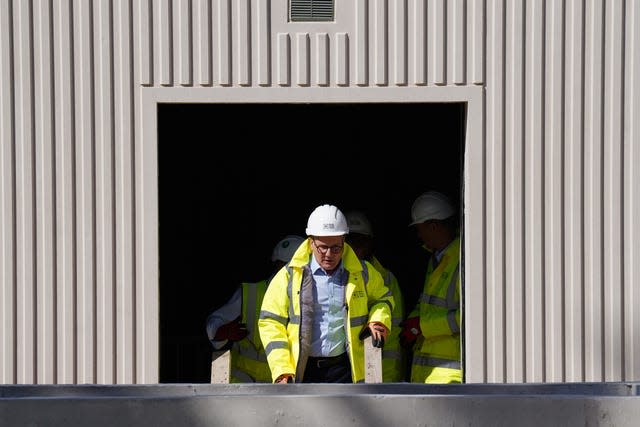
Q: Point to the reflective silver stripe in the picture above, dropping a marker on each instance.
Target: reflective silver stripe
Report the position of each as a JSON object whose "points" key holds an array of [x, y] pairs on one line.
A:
{"points": [[388, 277], [275, 345], [453, 325], [269, 315], [358, 321], [295, 319], [434, 300], [251, 353], [289, 294], [437, 362], [391, 354], [451, 290], [250, 310], [396, 321], [242, 376]]}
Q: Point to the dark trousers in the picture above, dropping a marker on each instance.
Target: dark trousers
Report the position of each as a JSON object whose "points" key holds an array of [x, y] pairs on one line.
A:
{"points": [[328, 369]]}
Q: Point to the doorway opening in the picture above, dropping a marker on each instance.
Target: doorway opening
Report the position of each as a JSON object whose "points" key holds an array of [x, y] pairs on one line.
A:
{"points": [[236, 178]]}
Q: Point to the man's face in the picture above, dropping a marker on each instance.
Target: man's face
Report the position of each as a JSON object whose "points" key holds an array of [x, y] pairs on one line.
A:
{"points": [[327, 250], [427, 232]]}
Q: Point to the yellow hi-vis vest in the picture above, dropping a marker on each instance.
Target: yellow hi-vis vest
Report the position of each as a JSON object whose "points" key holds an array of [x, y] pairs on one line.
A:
{"points": [[436, 356], [393, 359], [248, 359], [286, 319]]}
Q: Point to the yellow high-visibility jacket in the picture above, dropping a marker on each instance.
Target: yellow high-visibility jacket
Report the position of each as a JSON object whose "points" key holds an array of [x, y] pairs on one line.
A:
{"points": [[436, 356], [286, 318], [393, 357], [248, 359]]}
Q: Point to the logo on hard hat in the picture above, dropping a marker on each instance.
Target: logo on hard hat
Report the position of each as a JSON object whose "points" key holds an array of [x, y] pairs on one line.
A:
{"points": [[328, 226], [285, 244]]}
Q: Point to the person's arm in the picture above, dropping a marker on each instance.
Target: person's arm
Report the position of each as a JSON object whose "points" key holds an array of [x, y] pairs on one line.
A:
{"points": [[272, 326], [225, 314], [381, 305]]}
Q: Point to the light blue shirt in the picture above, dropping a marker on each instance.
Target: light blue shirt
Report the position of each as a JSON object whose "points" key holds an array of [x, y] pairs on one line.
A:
{"points": [[328, 336]]}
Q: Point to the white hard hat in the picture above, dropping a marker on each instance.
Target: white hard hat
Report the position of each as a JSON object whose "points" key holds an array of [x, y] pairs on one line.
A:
{"points": [[327, 220], [358, 223], [430, 205], [286, 247]]}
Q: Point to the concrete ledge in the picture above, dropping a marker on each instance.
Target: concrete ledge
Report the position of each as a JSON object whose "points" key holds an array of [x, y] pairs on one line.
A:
{"points": [[366, 405]]}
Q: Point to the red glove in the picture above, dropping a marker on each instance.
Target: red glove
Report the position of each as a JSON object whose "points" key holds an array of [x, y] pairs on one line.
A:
{"points": [[232, 331], [410, 331]]}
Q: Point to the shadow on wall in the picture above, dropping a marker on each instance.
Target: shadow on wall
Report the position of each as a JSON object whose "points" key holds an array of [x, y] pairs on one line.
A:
{"points": [[235, 178]]}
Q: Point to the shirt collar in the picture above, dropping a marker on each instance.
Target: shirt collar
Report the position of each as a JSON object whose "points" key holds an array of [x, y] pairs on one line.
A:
{"points": [[315, 267]]}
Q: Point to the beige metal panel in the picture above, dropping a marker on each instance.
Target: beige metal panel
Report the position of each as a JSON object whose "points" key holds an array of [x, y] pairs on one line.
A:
{"points": [[242, 41], [302, 58], [143, 28], [84, 192], [631, 162], [283, 55], [593, 196], [361, 42], [475, 41], [182, 36], [224, 50], [379, 53], [8, 343], [163, 48], [417, 41], [398, 41], [437, 42], [456, 32], [612, 191], [495, 320], [262, 39], [125, 309], [45, 208], [322, 60], [553, 225], [202, 42], [65, 235], [514, 197], [104, 197], [573, 197], [25, 196], [533, 193], [342, 59]]}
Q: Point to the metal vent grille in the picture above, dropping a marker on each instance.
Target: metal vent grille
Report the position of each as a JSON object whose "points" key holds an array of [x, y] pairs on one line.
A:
{"points": [[311, 10]]}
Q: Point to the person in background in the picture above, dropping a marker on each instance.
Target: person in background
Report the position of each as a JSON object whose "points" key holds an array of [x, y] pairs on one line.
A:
{"points": [[318, 309], [361, 240], [235, 324], [432, 329]]}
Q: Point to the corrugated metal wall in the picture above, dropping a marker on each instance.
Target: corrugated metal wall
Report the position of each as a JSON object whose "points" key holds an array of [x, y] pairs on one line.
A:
{"points": [[553, 193]]}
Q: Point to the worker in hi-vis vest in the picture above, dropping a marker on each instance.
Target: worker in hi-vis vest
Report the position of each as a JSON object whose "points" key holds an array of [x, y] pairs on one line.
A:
{"points": [[320, 306], [432, 329], [361, 240], [235, 324]]}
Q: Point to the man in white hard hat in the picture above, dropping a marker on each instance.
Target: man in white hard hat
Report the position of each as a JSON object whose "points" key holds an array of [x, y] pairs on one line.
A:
{"points": [[432, 329], [317, 308], [361, 240], [236, 323]]}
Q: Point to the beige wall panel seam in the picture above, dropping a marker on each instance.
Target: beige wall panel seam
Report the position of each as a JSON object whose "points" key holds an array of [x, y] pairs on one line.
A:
{"points": [[613, 219], [534, 345], [342, 47], [495, 194], [125, 296], [632, 193], [263, 41], [398, 45], [85, 193], [8, 268], [25, 194], [224, 32], [457, 29], [322, 61], [379, 53], [302, 58], [64, 186], [183, 40], [573, 176], [284, 60], [437, 37], [361, 48], [45, 203], [104, 194], [145, 28], [201, 16], [242, 45], [476, 47], [514, 167]]}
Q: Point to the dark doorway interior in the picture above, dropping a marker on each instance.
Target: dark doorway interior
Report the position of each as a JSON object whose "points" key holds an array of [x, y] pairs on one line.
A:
{"points": [[235, 178]]}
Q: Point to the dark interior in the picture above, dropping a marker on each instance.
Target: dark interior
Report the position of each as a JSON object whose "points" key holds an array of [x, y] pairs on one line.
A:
{"points": [[236, 178]]}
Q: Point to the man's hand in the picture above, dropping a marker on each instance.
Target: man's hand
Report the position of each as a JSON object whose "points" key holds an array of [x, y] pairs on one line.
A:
{"points": [[284, 379], [378, 333], [232, 331], [410, 331]]}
